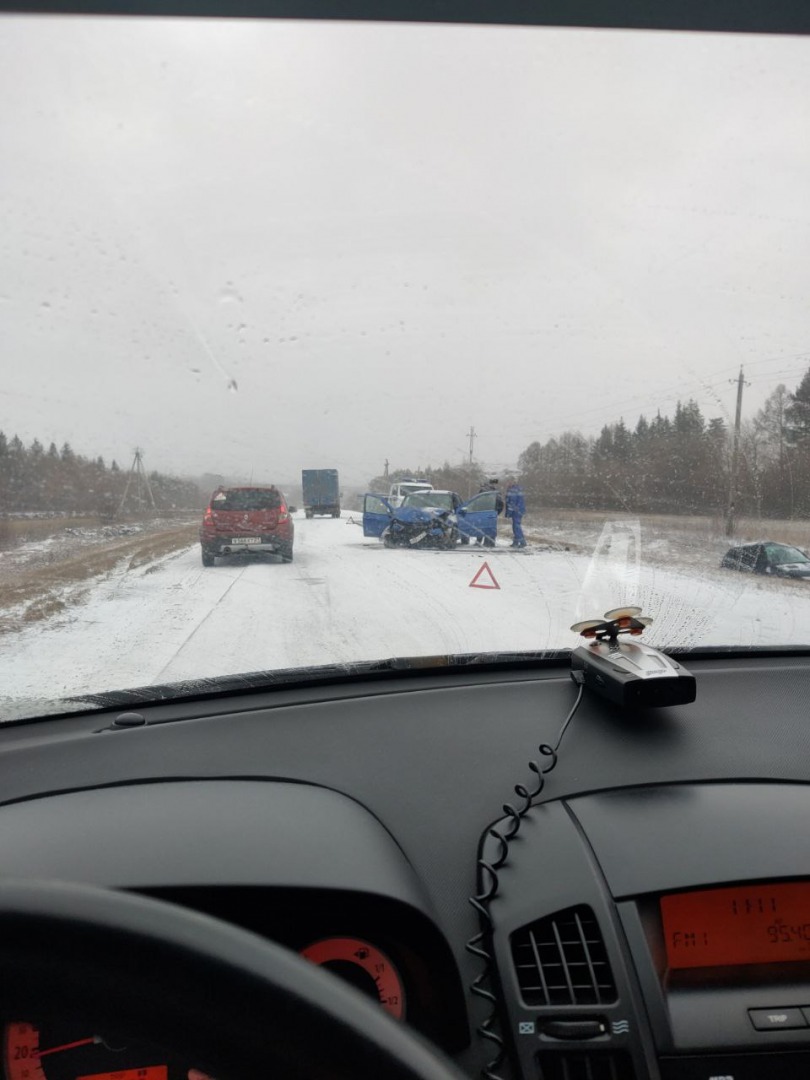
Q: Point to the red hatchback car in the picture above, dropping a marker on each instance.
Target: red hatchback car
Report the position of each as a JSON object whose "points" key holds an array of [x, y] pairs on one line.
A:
{"points": [[246, 521]]}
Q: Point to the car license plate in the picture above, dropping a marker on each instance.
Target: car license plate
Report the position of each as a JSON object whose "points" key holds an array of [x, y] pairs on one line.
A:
{"points": [[418, 537], [246, 540]]}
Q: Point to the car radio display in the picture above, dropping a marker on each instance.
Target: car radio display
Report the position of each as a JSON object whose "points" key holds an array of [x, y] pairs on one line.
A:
{"points": [[760, 924]]}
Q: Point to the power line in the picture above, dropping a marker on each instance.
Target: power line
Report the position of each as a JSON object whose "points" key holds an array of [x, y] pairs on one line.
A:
{"points": [[680, 389], [804, 355]]}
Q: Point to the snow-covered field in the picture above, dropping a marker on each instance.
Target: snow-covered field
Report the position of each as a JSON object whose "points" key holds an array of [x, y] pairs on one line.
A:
{"points": [[346, 598]]}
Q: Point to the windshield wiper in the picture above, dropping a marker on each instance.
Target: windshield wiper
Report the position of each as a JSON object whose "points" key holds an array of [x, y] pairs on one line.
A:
{"points": [[308, 676], [302, 677]]}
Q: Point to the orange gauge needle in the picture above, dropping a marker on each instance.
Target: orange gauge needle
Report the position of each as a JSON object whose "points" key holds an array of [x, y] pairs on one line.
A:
{"points": [[69, 1046]]}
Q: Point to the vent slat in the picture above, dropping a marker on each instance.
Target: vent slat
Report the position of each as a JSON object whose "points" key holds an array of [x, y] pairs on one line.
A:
{"points": [[596, 1065], [594, 981], [561, 960]]}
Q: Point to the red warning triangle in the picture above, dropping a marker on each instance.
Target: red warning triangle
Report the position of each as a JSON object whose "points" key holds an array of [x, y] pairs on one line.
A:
{"points": [[485, 572]]}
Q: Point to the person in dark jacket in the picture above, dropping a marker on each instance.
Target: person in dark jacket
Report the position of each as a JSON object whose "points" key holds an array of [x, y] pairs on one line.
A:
{"points": [[499, 503], [491, 485], [515, 509]]}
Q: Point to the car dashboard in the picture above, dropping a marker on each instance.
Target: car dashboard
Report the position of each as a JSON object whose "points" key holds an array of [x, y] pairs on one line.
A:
{"points": [[362, 823]]}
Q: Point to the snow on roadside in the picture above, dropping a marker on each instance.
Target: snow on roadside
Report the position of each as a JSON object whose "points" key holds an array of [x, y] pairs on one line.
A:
{"points": [[68, 540], [45, 585]]}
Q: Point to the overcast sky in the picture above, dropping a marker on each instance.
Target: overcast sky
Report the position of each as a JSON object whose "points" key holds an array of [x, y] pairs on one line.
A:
{"points": [[267, 246]]}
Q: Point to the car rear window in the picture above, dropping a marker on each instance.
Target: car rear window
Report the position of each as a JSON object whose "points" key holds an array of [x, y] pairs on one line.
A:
{"points": [[750, 556], [246, 499]]}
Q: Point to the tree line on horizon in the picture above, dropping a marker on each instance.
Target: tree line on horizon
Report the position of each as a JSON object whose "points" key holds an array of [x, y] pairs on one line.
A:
{"points": [[39, 479]]}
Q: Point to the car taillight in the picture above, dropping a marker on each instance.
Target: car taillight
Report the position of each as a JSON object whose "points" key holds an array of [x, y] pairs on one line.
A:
{"points": [[283, 513], [208, 517]]}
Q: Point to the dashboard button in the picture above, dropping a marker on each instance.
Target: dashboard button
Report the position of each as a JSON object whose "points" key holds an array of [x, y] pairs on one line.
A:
{"points": [[777, 1019], [573, 1029]]}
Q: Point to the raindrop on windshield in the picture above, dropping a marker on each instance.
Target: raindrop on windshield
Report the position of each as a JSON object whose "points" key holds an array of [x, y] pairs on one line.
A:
{"points": [[229, 294]]}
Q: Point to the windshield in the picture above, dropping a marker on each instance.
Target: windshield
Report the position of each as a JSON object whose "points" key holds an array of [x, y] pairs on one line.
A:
{"points": [[441, 500], [564, 268], [778, 554]]}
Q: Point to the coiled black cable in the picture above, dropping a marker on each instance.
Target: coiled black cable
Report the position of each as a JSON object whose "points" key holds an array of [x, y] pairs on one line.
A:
{"points": [[503, 831]]}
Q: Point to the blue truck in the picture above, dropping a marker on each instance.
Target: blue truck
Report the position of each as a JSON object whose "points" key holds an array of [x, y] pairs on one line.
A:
{"points": [[321, 489]]}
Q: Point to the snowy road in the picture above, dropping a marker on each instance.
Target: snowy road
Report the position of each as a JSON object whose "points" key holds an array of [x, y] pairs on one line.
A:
{"points": [[346, 598]]}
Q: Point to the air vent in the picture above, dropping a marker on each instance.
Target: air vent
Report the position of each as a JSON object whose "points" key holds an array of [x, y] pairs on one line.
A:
{"points": [[596, 1066], [561, 960]]}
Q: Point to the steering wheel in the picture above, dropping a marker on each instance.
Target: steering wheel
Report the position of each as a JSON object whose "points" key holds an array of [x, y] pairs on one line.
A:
{"points": [[229, 1001]]}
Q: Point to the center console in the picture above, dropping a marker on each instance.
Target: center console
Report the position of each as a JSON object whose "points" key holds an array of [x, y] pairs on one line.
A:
{"points": [[658, 932]]}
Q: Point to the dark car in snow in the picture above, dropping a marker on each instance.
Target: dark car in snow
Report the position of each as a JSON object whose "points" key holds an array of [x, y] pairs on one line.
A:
{"points": [[246, 521], [767, 557]]}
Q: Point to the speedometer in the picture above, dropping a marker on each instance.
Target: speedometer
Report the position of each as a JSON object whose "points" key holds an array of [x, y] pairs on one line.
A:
{"points": [[21, 1056], [364, 966], [50, 1052]]}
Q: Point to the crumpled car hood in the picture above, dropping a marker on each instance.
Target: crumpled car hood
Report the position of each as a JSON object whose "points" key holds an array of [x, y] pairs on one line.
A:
{"points": [[417, 515]]}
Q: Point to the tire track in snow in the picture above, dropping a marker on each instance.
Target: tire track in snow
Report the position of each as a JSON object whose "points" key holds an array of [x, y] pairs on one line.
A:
{"points": [[156, 678]]}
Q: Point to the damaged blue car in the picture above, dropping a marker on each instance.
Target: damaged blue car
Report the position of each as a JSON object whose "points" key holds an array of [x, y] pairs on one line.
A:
{"points": [[431, 519]]}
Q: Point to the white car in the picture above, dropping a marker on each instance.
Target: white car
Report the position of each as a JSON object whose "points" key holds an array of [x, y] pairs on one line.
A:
{"points": [[399, 491]]}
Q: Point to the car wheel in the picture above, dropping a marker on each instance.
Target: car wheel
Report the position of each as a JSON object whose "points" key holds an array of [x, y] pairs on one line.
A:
{"points": [[286, 553], [465, 539], [92, 954], [208, 557]]}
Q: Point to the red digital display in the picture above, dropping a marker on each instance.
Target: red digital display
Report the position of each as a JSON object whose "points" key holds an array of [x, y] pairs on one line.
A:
{"points": [[150, 1072], [759, 924]]}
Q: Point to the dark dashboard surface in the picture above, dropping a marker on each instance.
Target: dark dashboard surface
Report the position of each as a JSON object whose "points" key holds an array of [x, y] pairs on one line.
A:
{"points": [[376, 797]]}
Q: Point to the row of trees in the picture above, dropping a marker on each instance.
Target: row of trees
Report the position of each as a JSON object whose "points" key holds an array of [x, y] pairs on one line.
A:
{"points": [[667, 465], [681, 464], [33, 478], [678, 464]]}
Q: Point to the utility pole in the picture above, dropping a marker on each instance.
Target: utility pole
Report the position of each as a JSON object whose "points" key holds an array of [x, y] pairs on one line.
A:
{"points": [[385, 473], [137, 473], [472, 437], [735, 456]]}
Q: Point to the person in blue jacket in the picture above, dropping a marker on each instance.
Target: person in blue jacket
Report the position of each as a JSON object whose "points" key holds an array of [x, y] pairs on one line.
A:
{"points": [[515, 509]]}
